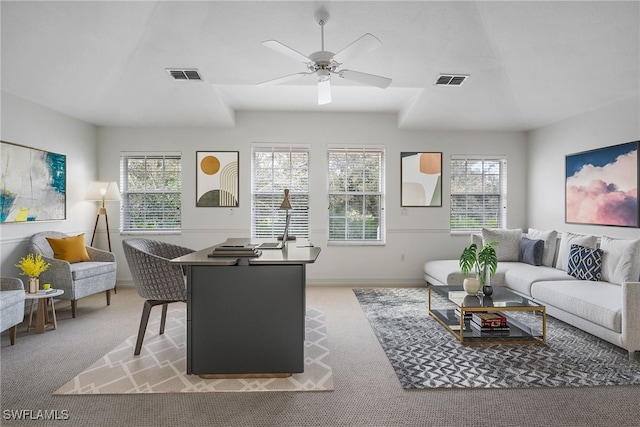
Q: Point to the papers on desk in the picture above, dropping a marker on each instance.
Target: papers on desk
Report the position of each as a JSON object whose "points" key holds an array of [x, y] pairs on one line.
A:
{"points": [[234, 251]]}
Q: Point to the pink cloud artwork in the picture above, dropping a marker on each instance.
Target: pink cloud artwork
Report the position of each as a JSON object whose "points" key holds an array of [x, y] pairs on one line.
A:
{"points": [[605, 195]]}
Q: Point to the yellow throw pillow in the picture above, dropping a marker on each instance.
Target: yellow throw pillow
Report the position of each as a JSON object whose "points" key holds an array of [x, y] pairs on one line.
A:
{"points": [[71, 249]]}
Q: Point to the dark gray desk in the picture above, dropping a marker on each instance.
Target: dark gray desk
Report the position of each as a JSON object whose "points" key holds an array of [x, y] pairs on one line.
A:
{"points": [[246, 317]]}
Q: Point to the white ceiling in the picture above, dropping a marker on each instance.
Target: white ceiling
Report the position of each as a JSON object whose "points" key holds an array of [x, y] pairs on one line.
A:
{"points": [[531, 63]]}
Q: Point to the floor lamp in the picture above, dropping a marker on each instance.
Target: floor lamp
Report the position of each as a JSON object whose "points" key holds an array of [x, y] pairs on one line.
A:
{"points": [[104, 192]]}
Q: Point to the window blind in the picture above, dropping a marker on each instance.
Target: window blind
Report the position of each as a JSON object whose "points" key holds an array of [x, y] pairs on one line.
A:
{"points": [[274, 169], [356, 194], [478, 193], [151, 191]]}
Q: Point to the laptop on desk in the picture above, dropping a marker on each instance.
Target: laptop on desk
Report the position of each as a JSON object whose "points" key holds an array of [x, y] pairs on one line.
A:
{"points": [[276, 245]]}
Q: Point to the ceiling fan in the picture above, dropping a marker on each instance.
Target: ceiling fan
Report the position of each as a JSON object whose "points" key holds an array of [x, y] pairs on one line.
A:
{"points": [[324, 63]]}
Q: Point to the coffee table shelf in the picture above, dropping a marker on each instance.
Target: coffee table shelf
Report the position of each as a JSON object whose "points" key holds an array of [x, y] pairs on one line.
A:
{"points": [[502, 301]]}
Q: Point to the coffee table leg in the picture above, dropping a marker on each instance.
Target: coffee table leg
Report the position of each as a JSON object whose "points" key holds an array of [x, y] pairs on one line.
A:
{"points": [[53, 314], [40, 315], [30, 324]]}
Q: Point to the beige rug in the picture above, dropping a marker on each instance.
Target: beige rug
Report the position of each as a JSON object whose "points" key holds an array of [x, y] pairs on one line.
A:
{"points": [[162, 364]]}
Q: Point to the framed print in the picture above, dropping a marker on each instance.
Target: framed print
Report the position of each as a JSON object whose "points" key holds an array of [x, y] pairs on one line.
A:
{"points": [[34, 184], [421, 179], [602, 186], [217, 179]]}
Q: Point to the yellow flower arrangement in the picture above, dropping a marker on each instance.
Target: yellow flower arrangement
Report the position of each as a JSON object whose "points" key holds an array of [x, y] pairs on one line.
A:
{"points": [[32, 265]]}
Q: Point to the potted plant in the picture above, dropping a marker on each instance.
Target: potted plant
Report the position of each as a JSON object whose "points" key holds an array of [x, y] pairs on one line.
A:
{"points": [[32, 266], [484, 263]]}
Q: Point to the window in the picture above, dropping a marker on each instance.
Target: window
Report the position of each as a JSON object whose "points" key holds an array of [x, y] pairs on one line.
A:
{"points": [[478, 193], [356, 194], [151, 191], [274, 169]]}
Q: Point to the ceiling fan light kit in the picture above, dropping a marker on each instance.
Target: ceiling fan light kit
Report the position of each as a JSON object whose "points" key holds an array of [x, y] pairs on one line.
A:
{"points": [[324, 63]]}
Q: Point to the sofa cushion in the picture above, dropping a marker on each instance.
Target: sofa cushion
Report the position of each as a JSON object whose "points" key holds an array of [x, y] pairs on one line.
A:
{"points": [[585, 263], [597, 302], [71, 249], [9, 298], [508, 248], [520, 276], [531, 251], [82, 270], [620, 260], [550, 238], [565, 246]]}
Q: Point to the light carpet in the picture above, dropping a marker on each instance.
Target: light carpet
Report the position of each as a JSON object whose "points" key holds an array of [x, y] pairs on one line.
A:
{"points": [[162, 364], [425, 355]]}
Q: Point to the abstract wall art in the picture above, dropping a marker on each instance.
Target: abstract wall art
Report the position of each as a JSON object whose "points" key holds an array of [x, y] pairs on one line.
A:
{"points": [[602, 186], [217, 178], [421, 179], [33, 184]]}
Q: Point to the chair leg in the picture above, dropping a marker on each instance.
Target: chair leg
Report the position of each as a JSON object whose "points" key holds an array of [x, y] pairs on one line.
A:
{"points": [[108, 291], [74, 307], [163, 319], [13, 333], [146, 311]]}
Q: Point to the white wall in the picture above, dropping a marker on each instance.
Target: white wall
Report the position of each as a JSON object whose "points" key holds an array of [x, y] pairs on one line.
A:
{"points": [[547, 147], [29, 124], [418, 233]]}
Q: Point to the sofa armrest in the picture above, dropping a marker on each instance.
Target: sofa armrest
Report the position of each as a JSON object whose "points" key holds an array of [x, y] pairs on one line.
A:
{"points": [[58, 274], [11, 284], [99, 255], [631, 315]]}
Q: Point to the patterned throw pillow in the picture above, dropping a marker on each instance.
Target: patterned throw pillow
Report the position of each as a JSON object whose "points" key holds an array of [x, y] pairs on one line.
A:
{"points": [[585, 263]]}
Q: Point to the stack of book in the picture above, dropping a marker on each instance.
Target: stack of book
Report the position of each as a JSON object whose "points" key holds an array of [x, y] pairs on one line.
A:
{"points": [[235, 251], [489, 322], [467, 314]]}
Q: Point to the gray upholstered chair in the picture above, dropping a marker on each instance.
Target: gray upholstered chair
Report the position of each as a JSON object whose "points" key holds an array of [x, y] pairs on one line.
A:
{"points": [[157, 280], [11, 305], [79, 279]]}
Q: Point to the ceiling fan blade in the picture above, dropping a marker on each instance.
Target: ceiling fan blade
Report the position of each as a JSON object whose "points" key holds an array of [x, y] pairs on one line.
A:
{"points": [[285, 50], [368, 79], [283, 79], [324, 92], [364, 44]]}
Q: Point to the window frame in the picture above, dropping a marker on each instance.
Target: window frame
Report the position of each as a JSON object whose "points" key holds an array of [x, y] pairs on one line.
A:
{"points": [[501, 210], [381, 193], [125, 220], [298, 196]]}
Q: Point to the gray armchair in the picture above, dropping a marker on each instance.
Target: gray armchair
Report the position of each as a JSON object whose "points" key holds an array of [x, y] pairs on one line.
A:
{"points": [[157, 280], [79, 279], [11, 305]]}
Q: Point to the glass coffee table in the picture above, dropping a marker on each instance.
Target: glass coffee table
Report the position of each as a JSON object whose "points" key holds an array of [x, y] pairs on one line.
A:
{"points": [[523, 321]]}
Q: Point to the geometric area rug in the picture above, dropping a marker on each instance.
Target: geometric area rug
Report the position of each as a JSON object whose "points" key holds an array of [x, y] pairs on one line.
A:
{"points": [[162, 364], [425, 355]]}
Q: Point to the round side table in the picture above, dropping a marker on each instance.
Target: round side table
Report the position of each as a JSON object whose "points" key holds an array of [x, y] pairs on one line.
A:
{"points": [[42, 315]]}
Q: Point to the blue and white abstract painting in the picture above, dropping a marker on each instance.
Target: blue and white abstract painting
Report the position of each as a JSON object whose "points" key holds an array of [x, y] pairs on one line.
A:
{"points": [[33, 184]]}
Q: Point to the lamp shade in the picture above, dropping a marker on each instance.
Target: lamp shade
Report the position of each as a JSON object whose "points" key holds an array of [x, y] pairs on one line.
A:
{"points": [[286, 204], [103, 190]]}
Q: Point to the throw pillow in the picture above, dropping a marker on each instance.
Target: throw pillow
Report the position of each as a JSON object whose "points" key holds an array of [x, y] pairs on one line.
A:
{"points": [[620, 260], [550, 238], [508, 247], [569, 239], [585, 263], [70, 249], [531, 251]]}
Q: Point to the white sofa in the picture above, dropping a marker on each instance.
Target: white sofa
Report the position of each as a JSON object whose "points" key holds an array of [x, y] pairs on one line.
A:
{"points": [[608, 308]]}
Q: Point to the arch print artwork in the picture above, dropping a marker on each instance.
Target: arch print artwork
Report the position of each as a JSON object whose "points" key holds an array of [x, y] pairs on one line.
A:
{"points": [[217, 179]]}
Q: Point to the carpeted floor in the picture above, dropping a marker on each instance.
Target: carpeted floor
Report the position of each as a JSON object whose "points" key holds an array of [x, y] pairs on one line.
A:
{"points": [[161, 365], [425, 355]]}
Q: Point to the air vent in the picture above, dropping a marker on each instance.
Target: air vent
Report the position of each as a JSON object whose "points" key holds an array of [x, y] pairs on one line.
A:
{"points": [[451, 79], [184, 74]]}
